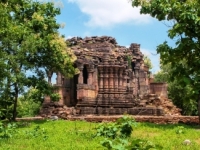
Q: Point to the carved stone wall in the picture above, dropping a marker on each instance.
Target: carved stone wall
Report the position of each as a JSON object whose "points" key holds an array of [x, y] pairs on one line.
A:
{"points": [[112, 79]]}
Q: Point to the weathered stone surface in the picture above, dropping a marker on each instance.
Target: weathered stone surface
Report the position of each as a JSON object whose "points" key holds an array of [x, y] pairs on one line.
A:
{"points": [[153, 119], [111, 80], [54, 109]]}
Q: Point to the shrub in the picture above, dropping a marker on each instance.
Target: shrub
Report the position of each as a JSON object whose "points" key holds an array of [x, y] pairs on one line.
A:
{"points": [[7, 130], [121, 128], [117, 136], [28, 108]]}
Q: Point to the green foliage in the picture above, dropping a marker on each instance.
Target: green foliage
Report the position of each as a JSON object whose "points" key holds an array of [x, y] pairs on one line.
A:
{"points": [[29, 103], [129, 59], [117, 136], [37, 132], [135, 144], [5, 109], [140, 144], [81, 137], [116, 133], [7, 130], [181, 96], [125, 125], [108, 130], [180, 130], [185, 31], [28, 108], [30, 48], [55, 97], [117, 144], [121, 128], [147, 62], [146, 59], [163, 75]]}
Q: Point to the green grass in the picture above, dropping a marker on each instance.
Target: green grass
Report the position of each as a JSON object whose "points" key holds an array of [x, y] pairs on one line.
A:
{"points": [[169, 136], [79, 135]]}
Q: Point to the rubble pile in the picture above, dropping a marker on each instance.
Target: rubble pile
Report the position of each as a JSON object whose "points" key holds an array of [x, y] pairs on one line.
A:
{"points": [[110, 80], [56, 109], [95, 46], [162, 102]]}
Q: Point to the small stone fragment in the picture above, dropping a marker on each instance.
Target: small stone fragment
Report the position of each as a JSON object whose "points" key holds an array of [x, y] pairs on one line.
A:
{"points": [[187, 142]]}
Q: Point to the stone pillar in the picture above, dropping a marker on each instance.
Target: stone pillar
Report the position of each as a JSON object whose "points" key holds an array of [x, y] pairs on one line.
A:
{"points": [[105, 72], [121, 80], [59, 79], [136, 86], [50, 73], [90, 70], [80, 77], [90, 77], [111, 76], [95, 80], [137, 81], [100, 79], [146, 78], [125, 80], [116, 85], [133, 83], [62, 80], [105, 80]]}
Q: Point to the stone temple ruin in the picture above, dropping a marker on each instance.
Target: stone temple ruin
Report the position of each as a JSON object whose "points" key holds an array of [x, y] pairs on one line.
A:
{"points": [[112, 80]]}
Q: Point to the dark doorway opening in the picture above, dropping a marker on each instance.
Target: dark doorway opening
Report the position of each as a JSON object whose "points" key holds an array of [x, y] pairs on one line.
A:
{"points": [[85, 75], [132, 66]]}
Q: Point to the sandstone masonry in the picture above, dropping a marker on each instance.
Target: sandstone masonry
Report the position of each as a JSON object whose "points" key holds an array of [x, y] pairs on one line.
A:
{"points": [[111, 80]]}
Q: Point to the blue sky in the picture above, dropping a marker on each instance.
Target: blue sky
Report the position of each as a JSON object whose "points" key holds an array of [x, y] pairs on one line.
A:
{"points": [[116, 18]]}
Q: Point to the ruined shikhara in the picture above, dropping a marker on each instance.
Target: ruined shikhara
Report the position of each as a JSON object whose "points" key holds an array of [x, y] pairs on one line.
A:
{"points": [[112, 80]]}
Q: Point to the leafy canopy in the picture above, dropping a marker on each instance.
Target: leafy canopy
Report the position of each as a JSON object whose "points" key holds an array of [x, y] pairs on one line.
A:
{"points": [[184, 56], [30, 49], [185, 30], [181, 96]]}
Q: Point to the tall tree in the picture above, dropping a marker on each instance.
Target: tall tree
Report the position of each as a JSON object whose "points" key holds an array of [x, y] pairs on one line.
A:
{"points": [[181, 96], [185, 15], [30, 49]]}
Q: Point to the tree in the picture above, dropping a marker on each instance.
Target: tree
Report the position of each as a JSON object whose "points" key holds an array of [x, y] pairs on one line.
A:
{"points": [[29, 103], [185, 15], [147, 62], [31, 49], [163, 75], [181, 96]]}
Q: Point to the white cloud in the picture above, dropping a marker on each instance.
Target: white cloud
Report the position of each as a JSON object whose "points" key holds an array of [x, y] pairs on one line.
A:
{"points": [[107, 13], [145, 51]]}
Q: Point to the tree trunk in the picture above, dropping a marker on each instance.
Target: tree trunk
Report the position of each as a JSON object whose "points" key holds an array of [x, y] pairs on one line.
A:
{"points": [[199, 107], [15, 102]]}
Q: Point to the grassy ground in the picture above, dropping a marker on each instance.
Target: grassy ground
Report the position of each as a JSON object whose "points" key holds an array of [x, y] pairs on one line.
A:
{"points": [[78, 135]]}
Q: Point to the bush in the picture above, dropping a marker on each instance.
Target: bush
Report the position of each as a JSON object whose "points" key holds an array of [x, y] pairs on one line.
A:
{"points": [[117, 136], [7, 130], [122, 128], [28, 108], [29, 103]]}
